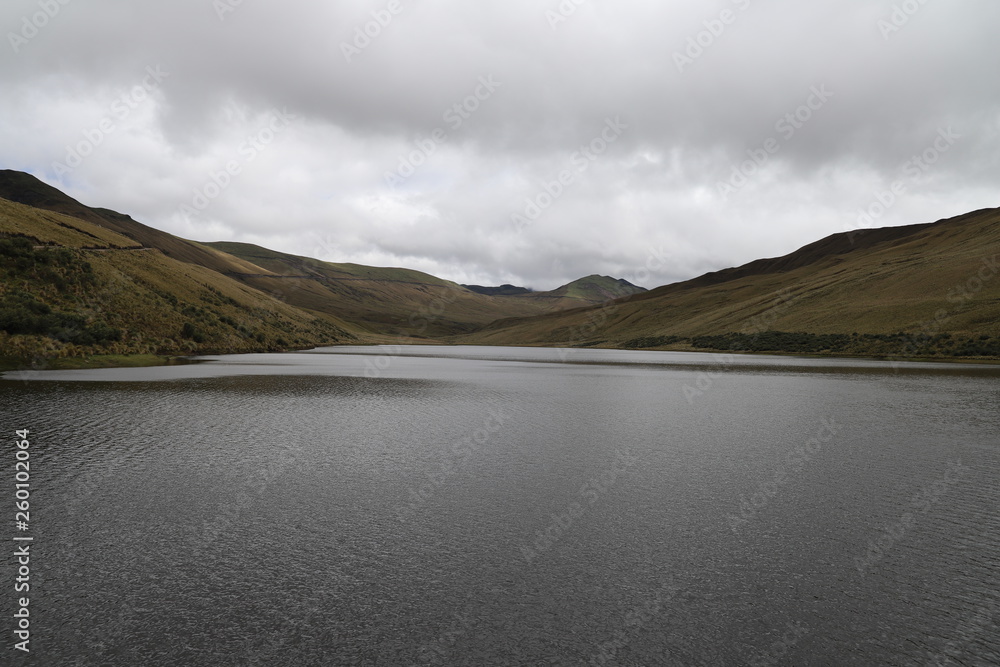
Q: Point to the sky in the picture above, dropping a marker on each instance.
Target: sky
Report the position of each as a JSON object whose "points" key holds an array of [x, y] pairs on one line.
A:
{"points": [[523, 142]]}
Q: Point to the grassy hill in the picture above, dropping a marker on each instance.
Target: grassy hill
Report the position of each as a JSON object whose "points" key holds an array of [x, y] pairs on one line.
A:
{"points": [[920, 290], [590, 290], [83, 280], [71, 288], [403, 301], [25, 189], [386, 301], [77, 281]]}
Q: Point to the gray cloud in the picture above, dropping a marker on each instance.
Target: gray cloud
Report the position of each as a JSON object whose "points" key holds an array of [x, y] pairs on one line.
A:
{"points": [[704, 90]]}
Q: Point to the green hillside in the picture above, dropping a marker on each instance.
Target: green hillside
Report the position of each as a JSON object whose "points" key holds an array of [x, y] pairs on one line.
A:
{"points": [[385, 301], [404, 302], [78, 281], [71, 288], [83, 281], [921, 290], [597, 289]]}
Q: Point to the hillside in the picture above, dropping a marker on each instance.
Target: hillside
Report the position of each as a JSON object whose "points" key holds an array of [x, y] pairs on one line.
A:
{"points": [[503, 290], [403, 301], [387, 301], [919, 290], [69, 287], [591, 290], [78, 280], [25, 189], [83, 280]]}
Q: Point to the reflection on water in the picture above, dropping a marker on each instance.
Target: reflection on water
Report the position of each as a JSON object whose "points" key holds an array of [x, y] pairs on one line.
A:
{"points": [[513, 506]]}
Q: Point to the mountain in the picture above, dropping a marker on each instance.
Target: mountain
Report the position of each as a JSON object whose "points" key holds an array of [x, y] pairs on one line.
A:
{"points": [[77, 280], [69, 287], [82, 280], [921, 290], [503, 290], [596, 289], [384, 301], [591, 289], [25, 189], [403, 301]]}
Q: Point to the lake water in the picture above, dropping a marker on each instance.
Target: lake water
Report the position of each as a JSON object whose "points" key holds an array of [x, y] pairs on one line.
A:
{"points": [[510, 506]]}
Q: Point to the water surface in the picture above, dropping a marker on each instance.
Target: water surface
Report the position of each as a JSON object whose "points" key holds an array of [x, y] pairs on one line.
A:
{"points": [[480, 506]]}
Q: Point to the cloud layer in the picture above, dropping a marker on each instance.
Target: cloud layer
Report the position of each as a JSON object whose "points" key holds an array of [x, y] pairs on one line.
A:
{"points": [[524, 142]]}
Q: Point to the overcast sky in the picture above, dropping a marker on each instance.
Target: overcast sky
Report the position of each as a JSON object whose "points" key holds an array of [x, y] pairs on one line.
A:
{"points": [[530, 142]]}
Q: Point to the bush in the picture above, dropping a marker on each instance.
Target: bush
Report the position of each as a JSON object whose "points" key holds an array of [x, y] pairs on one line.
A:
{"points": [[22, 314]]}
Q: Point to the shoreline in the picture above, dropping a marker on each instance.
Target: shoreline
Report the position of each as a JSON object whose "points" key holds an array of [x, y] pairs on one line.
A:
{"points": [[99, 361]]}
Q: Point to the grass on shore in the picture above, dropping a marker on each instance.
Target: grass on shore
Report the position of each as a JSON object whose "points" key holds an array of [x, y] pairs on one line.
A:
{"points": [[91, 361]]}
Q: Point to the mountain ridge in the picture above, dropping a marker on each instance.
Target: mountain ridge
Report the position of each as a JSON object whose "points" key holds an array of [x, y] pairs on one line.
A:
{"points": [[925, 283], [861, 292]]}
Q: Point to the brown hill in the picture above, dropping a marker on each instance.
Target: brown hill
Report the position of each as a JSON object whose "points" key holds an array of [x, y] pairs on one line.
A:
{"points": [[921, 281]]}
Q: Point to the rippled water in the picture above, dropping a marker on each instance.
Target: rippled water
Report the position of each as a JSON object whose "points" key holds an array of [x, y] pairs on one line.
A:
{"points": [[481, 506]]}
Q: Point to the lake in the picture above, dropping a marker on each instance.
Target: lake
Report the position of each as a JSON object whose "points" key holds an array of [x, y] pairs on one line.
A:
{"points": [[510, 506]]}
